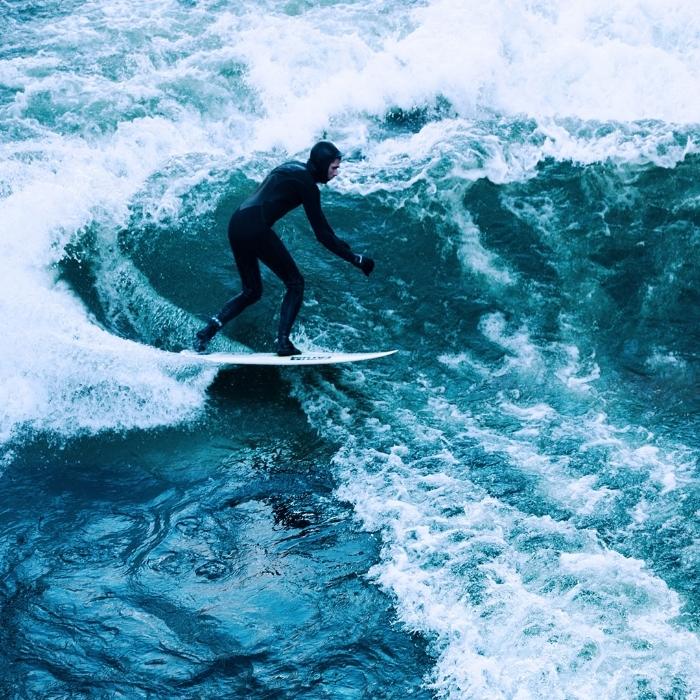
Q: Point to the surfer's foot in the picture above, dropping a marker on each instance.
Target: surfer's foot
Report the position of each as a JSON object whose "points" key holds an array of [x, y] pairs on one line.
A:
{"points": [[285, 348], [204, 335]]}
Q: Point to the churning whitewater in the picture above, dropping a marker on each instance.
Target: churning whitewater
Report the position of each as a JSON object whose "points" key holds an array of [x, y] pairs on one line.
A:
{"points": [[506, 508]]}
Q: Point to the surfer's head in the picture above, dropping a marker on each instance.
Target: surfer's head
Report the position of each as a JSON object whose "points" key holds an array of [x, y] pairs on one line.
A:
{"points": [[322, 161]]}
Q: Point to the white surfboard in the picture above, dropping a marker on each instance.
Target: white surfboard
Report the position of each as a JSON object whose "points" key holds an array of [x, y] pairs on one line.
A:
{"points": [[311, 357]]}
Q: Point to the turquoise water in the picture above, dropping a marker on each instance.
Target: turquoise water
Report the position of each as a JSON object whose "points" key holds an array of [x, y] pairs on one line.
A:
{"points": [[508, 508]]}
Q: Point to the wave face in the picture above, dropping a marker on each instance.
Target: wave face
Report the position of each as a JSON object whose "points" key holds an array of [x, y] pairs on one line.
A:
{"points": [[525, 175]]}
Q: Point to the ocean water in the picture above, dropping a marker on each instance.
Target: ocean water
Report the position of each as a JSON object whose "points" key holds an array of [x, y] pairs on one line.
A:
{"points": [[508, 507]]}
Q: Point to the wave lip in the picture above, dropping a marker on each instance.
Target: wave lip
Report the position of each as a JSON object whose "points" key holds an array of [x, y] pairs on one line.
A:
{"points": [[63, 373]]}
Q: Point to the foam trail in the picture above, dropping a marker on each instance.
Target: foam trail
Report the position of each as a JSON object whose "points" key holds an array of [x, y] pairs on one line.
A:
{"points": [[517, 605], [73, 378], [513, 618]]}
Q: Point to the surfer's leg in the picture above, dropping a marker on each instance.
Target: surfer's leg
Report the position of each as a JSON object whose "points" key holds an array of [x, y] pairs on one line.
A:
{"points": [[276, 256], [243, 248], [251, 283]]}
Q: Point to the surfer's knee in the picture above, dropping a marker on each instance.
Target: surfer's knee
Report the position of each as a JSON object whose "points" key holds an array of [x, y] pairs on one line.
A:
{"points": [[251, 294]]}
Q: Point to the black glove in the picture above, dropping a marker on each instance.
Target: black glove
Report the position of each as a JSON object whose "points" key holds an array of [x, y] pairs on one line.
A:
{"points": [[364, 263]]}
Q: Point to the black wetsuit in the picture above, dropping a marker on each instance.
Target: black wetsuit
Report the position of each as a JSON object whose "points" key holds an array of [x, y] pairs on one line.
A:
{"points": [[252, 239]]}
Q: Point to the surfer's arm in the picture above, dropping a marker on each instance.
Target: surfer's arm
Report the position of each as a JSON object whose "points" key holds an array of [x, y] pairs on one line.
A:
{"points": [[322, 229]]}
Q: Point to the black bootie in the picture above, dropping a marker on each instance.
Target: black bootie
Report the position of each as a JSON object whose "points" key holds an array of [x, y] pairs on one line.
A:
{"points": [[285, 348], [204, 335]]}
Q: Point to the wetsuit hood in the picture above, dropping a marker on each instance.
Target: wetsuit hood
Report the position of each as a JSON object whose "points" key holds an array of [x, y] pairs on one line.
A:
{"points": [[320, 158]]}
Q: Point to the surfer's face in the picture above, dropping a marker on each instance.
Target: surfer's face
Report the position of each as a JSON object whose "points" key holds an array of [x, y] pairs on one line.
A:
{"points": [[333, 168]]}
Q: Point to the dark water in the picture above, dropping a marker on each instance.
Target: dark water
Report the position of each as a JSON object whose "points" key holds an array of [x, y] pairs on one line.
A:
{"points": [[507, 508], [200, 563]]}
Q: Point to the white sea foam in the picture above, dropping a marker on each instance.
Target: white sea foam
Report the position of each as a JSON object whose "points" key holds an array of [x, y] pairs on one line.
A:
{"points": [[619, 61], [576, 374], [522, 352], [520, 606], [464, 359], [666, 361], [581, 495], [515, 605], [600, 80], [61, 372]]}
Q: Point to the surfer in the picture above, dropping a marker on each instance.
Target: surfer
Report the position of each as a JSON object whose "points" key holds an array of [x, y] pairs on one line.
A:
{"points": [[253, 240]]}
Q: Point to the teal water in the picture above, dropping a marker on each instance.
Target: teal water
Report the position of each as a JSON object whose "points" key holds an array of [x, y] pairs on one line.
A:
{"points": [[507, 508]]}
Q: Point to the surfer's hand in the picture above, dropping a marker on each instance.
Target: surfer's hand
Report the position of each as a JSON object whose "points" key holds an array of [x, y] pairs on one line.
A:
{"points": [[364, 263]]}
